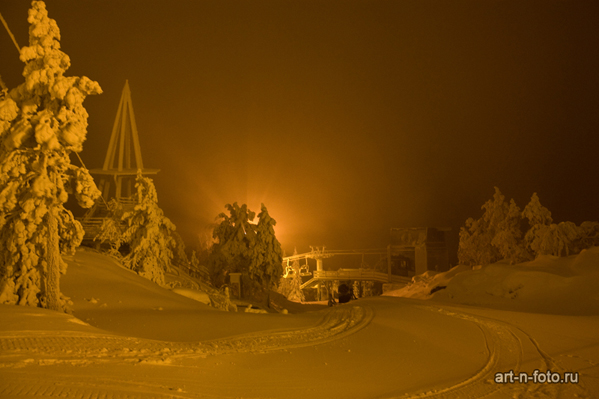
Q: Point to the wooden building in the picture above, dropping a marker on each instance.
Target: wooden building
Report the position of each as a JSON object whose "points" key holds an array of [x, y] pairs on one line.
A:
{"points": [[413, 251]]}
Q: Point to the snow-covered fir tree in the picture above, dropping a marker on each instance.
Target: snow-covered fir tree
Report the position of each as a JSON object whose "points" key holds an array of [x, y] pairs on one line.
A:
{"points": [[475, 246], [148, 234], [42, 121], [180, 260], [496, 235], [266, 267], [244, 247], [232, 251], [547, 238], [508, 235]]}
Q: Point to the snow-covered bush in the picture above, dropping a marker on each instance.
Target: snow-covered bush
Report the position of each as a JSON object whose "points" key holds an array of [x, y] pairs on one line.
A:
{"points": [[42, 121], [148, 234]]}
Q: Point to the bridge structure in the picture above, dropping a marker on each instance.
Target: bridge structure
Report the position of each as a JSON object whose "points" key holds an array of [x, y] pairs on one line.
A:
{"points": [[361, 274]]}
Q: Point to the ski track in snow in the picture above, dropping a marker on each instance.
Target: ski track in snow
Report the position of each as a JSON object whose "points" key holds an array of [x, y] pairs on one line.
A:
{"points": [[505, 349], [42, 348]]}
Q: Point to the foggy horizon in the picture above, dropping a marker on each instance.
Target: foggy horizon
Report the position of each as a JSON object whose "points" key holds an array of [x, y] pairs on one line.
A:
{"points": [[346, 119]]}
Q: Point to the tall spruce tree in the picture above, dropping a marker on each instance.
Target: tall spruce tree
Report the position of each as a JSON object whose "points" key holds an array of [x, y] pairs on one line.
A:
{"points": [[266, 267], [42, 122]]}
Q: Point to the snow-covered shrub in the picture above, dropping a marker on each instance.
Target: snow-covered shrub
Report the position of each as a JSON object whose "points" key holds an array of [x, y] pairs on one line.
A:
{"points": [[148, 233], [42, 121]]}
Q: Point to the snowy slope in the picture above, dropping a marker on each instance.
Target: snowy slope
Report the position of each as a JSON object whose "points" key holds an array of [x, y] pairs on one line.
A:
{"points": [[385, 347], [549, 284], [114, 298]]}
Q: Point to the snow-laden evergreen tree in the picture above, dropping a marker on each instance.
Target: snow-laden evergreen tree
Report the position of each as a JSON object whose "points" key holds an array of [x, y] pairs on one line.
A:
{"points": [[536, 213], [180, 259], [266, 267], [42, 121], [496, 235], [562, 239], [235, 236], [148, 234], [244, 247], [475, 246], [588, 235], [539, 220], [508, 236]]}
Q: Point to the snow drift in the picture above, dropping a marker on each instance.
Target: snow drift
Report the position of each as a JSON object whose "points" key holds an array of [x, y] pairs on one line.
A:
{"points": [[548, 284]]}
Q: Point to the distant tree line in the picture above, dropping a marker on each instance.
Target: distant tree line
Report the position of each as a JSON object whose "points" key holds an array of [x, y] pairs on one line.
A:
{"points": [[506, 232]]}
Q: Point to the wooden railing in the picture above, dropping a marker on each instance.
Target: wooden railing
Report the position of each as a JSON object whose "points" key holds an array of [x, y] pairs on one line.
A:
{"points": [[355, 274], [91, 226], [350, 274]]}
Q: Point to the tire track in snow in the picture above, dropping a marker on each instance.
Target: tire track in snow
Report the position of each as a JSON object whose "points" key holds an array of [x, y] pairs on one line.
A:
{"points": [[76, 348], [65, 389], [505, 350], [28, 348]]}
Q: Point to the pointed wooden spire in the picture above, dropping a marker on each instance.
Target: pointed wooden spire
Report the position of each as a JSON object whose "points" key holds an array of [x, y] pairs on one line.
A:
{"points": [[123, 158]]}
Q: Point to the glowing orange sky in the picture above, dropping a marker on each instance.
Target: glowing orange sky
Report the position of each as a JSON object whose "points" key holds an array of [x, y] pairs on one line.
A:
{"points": [[346, 118]]}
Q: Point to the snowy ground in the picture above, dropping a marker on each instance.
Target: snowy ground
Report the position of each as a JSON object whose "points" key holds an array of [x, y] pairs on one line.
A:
{"points": [[129, 338]]}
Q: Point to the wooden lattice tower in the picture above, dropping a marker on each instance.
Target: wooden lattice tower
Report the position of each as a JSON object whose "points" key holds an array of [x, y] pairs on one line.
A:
{"points": [[123, 161]]}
